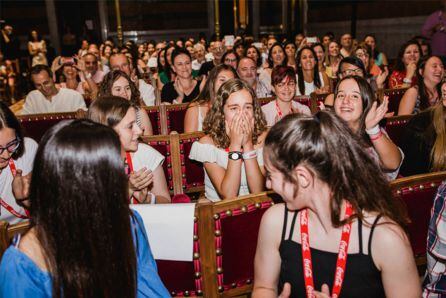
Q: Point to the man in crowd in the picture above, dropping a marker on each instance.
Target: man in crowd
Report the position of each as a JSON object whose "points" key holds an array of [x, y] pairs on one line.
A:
{"points": [[435, 29], [92, 68], [93, 49], [346, 45], [217, 50], [9, 44], [120, 61], [200, 53], [47, 98], [247, 71]]}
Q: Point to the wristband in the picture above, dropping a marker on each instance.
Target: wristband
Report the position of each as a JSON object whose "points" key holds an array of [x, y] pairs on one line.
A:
{"points": [[376, 137], [88, 75], [249, 155], [152, 198], [373, 131], [407, 81]]}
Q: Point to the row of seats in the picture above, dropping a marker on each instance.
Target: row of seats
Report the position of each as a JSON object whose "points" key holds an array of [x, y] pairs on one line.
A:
{"points": [[225, 239]]}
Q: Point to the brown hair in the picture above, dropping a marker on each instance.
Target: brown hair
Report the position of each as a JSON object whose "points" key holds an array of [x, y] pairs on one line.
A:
{"points": [[214, 123], [105, 90], [281, 72], [438, 153], [108, 110], [328, 148]]}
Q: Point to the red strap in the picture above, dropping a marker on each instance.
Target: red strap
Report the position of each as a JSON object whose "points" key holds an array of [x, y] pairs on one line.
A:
{"points": [[128, 158], [279, 112], [342, 254], [5, 205]]}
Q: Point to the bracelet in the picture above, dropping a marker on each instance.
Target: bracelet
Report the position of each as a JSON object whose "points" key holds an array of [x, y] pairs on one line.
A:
{"points": [[373, 131], [374, 138], [152, 198], [407, 81], [250, 155]]}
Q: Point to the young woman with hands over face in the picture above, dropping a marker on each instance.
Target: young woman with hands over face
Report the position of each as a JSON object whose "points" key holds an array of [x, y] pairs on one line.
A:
{"points": [[231, 150], [147, 181], [355, 103], [339, 231]]}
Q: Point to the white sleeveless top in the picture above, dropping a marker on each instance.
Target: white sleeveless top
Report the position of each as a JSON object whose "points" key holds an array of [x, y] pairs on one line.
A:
{"points": [[309, 87], [210, 153]]}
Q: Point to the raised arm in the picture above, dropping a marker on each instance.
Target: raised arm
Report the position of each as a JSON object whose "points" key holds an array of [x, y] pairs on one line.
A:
{"points": [[408, 101]]}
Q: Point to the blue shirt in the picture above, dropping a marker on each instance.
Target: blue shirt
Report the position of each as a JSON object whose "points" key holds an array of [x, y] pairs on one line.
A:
{"points": [[21, 277]]}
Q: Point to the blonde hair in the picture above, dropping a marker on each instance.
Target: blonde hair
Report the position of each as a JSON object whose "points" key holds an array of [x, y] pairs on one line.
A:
{"points": [[438, 153]]}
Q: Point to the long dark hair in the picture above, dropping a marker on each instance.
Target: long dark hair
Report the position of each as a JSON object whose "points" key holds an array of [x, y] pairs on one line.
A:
{"points": [[375, 52], [300, 74], [259, 56], [9, 120], [270, 56], [105, 89], [422, 89], [367, 97], [399, 64], [316, 141], [80, 211]]}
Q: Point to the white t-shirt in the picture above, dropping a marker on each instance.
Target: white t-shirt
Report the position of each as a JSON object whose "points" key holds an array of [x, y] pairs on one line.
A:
{"points": [[24, 163], [270, 111], [197, 65], [146, 156], [309, 87], [66, 100], [147, 93]]}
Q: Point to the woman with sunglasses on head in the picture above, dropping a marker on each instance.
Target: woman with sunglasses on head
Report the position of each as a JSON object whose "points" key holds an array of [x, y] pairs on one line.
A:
{"points": [[340, 233], [83, 241], [16, 161]]}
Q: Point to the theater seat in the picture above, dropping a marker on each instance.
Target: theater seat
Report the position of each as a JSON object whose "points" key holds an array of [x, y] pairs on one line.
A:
{"points": [[163, 145], [265, 100], [8, 231], [395, 96], [192, 172], [418, 193], [231, 243], [35, 126], [395, 127], [316, 101], [155, 119], [175, 117]]}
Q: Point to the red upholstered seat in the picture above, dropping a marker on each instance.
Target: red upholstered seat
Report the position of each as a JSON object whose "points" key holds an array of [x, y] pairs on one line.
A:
{"points": [[418, 193], [35, 126], [305, 100], [192, 172], [265, 100], [237, 225], [154, 116], [175, 117], [183, 278], [395, 96], [162, 145], [395, 127]]}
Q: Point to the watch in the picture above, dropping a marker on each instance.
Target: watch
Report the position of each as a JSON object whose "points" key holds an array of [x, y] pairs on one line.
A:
{"points": [[235, 155]]}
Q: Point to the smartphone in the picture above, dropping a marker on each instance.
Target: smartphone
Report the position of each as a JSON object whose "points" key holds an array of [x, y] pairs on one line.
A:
{"points": [[312, 39]]}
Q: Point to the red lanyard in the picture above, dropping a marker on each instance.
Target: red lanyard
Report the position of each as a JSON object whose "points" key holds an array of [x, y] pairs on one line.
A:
{"points": [[279, 112], [342, 254], [128, 158], [6, 205]]}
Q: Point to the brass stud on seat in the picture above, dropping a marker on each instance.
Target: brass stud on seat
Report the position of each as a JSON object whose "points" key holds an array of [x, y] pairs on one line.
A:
{"points": [[216, 216], [217, 233], [196, 255], [219, 270], [228, 212]]}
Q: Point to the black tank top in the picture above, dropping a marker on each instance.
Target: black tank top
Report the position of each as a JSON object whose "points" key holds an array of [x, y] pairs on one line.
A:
{"points": [[361, 279]]}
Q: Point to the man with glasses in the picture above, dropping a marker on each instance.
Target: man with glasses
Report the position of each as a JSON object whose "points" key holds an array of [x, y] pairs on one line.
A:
{"points": [[217, 49], [47, 98]]}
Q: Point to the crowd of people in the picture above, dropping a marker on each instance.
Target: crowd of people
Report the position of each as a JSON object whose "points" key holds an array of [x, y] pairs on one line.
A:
{"points": [[332, 168]]}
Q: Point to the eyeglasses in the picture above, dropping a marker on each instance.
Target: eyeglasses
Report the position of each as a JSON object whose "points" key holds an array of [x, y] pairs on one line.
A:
{"points": [[230, 60], [349, 72], [11, 146]]}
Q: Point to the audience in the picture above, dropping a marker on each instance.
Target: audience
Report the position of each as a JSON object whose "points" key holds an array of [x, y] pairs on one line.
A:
{"points": [[404, 73], [424, 140], [146, 176], [84, 239], [332, 60], [283, 79], [200, 106], [276, 57], [346, 45], [37, 49], [379, 58], [427, 92], [232, 147], [333, 196], [47, 98]]}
